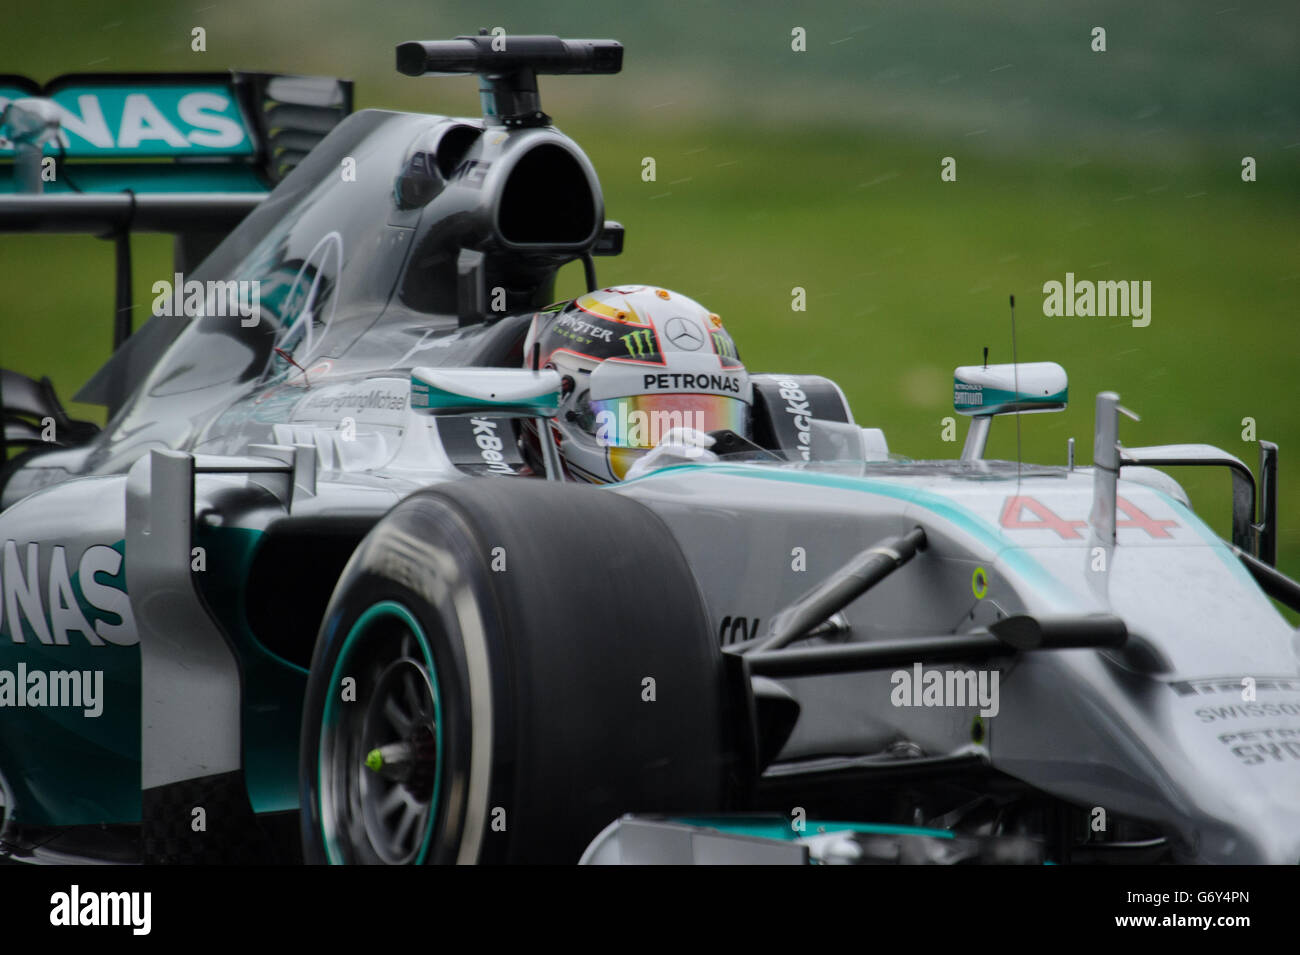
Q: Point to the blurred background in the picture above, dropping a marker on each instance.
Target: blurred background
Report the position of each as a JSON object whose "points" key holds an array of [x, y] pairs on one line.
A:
{"points": [[820, 170]]}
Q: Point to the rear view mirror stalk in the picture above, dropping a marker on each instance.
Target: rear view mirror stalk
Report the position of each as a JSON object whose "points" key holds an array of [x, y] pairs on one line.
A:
{"points": [[982, 391]]}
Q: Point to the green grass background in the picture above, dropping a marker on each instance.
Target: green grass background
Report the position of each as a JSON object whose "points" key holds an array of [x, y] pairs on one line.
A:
{"points": [[821, 170]]}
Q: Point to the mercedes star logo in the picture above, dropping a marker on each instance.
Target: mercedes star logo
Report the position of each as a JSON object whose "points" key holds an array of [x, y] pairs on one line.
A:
{"points": [[683, 334]]}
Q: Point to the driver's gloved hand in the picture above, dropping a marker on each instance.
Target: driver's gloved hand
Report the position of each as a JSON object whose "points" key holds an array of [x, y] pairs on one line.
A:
{"points": [[679, 446]]}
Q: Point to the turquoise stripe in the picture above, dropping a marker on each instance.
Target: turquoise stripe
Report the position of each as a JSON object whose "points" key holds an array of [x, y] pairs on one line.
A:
{"points": [[994, 400], [1212, 540], [1015, 559], [427, 396], [781, 828], [386, 608]]}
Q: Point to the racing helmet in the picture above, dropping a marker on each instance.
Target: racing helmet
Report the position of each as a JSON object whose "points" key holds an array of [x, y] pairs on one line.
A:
{"points": [[635, 361]]}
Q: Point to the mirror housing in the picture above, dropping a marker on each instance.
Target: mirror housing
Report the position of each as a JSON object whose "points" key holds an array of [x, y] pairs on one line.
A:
{"points": [[982, 391], [1027, 388], [494, 393], [486, 392]]}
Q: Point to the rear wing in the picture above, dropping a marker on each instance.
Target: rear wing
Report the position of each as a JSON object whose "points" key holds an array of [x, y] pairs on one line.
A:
{"points": [[169, 132], [190, 154]]}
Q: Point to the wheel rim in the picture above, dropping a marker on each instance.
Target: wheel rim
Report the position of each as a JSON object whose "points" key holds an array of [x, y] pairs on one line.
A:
{"points": [[381, 751]]}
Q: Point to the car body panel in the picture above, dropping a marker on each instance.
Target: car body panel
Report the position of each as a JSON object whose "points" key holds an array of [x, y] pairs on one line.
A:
{"points": [[1177, 745], [359, 289]]}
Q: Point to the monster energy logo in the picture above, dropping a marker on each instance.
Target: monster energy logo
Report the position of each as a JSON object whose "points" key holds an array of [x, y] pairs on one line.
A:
{"points": [[639, 343], [723, 345]]}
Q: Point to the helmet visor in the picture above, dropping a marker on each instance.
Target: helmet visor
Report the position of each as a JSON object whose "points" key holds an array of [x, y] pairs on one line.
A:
{"points": [[642, 421]]}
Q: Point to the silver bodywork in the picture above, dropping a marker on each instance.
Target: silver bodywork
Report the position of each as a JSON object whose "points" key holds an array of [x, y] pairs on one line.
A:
{"points": [[1193, 727], [1180, 745]]}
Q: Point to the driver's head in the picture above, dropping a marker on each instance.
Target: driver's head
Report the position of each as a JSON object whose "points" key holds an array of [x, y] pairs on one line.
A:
{"points": [[637, 361]]}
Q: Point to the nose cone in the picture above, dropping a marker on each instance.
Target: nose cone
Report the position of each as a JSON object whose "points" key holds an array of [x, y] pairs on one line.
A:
{"points": [[1240, 746]]}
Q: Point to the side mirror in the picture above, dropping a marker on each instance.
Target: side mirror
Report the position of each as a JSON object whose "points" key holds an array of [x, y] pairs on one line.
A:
{"points": [[486, 392], [494, 393], [1010, 389], [982, 391]]}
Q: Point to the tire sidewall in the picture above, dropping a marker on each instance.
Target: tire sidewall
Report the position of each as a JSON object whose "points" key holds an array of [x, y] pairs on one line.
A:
{"points": [[549, 731], [368, 581]]}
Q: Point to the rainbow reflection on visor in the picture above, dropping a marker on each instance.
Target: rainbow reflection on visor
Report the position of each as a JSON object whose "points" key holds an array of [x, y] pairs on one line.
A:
{"points": [[642, 421]]}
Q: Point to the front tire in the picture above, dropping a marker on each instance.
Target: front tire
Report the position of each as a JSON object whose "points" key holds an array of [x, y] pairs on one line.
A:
{"points": [[505, 668]]}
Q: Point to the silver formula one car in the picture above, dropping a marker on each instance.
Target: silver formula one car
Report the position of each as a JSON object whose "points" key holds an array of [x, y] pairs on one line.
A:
{"points": [[324, 587]]}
